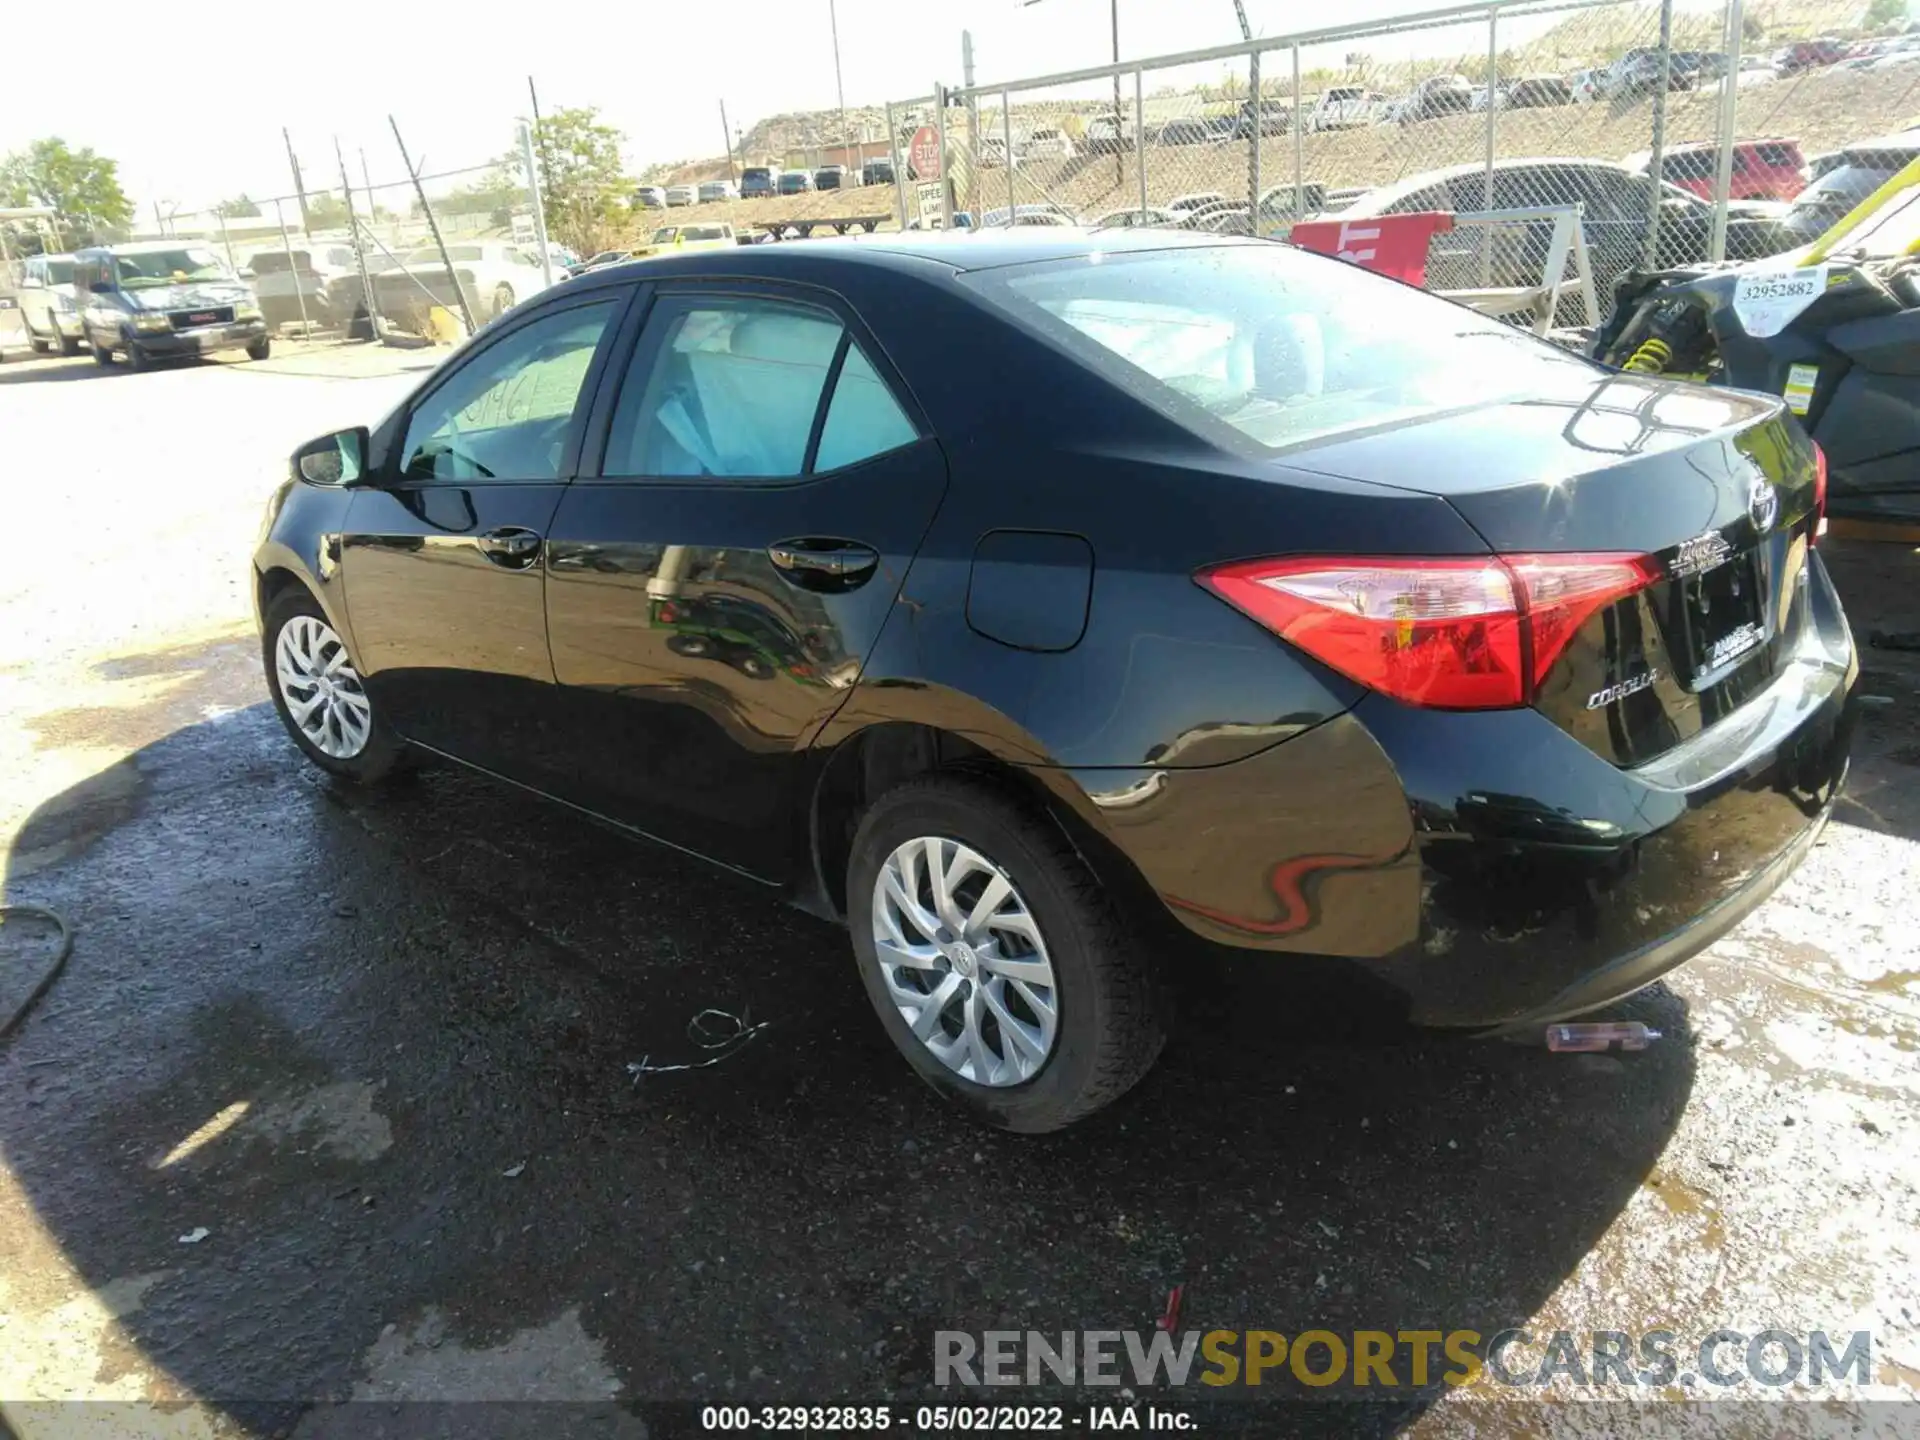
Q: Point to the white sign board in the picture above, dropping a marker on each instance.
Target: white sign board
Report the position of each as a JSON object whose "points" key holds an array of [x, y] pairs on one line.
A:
{"points": [[1767, 301], [524, 232], [928, 198]]}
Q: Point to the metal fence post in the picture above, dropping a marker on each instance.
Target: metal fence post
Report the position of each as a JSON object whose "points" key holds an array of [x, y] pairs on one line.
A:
{"points": [[1253, 152], [299, 288], [1486, 184], [899, 174], [946, 171], [1006, 141], [1299, 142], [1139, 132], [368, 299], [433, 224], [220, 214], [1657, 155], [539, 205], [1729, 120]]}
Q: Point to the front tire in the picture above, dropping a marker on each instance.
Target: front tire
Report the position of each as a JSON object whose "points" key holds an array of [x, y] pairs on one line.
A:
{"points": [[995, 961], [318, 693], [260, 349], [101, 355], [70, 344], [502, 299], [137, 358]]}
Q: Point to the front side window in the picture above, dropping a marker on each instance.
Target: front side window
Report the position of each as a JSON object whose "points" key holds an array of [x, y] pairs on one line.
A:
{"points": [[503, 415], [733, 388], [1267, 345]]}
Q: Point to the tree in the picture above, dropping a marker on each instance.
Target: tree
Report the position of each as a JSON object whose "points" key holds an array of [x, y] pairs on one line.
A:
{"points": [[585, 189], [326, 211], [81, 187], [238, 208], [1884, 13]]}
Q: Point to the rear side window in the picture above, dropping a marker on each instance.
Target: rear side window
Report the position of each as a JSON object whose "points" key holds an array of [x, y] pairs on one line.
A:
{"points": [[1268, 346], [732, 389], [1777, 155]]}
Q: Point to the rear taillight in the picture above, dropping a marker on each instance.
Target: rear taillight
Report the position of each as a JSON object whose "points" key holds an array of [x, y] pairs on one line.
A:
{"points": [[1467, 634], [1819, 496]]}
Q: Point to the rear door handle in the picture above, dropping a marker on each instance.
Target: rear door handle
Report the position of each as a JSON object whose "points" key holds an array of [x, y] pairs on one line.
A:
{"points": [[512, 546], [824, 564]]}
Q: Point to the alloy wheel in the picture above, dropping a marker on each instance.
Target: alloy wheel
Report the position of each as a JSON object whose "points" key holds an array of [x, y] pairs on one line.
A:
{"points": [[321, 688], [964, 962]]}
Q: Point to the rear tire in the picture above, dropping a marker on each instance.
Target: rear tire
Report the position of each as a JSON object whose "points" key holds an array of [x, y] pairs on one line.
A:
{"points": [[364, 758], [40, 345], [1107, 1016], [71, 345]]}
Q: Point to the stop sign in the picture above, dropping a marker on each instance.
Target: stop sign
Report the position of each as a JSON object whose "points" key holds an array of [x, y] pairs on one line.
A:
{"points": [[923, 153]]}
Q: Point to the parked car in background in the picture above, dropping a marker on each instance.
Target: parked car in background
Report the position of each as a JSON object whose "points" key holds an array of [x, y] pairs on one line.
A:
{"points": [[493, 276], [1638, 73], [1615, 203], [712, 190], [290, 286], [991, 153], [1275, 118], [1050, 144], [1805, 55], [1754, 70], [1138, 218], [1184, 132], [796, 182], [1536, 92], [677, 239], [1341, 662], [593, 262], [1342, 107], [759, 181], [1587, 86], [1284, 204], [164, 300], [1762, 169], [49, 309], [1842, 179], [877, 172], [830, 177], [650, 197], [1487, 97], [1198, 200], [1027, 215], [1105, 135], [678, 195], [1435, 96]]}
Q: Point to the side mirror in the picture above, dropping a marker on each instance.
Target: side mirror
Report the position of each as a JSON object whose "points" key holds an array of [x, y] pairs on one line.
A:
{"points": [[101, 287], [336, 459]]}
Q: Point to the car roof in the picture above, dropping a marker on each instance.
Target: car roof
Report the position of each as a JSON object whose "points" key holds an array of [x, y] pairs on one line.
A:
{"points": [[1375, 200], [919, 252], [142, 247]]}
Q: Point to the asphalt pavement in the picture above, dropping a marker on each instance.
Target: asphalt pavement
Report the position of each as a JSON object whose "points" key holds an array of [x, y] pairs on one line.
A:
{"points": [[335, 1098]]}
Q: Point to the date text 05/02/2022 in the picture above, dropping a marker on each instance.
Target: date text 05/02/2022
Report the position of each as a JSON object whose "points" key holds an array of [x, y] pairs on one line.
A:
{"points": [[944, 1419]]}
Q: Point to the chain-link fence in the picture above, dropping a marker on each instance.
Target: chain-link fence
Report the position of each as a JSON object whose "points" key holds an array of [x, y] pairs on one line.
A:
{"points": [[1511, 109]]}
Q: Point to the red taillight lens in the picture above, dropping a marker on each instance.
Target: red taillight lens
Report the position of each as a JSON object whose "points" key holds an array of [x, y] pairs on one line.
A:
{"points": [[1819, 495], [1447, 634]]}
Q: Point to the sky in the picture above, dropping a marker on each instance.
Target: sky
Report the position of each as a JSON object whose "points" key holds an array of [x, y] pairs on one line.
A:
{"points": [[455, 76]]}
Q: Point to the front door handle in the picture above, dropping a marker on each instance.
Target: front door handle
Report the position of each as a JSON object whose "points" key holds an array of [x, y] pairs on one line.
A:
{"points": [[511, 546], [824, 564]]}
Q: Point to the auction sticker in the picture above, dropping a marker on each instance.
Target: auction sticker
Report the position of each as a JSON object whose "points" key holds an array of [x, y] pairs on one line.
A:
{"points": [[1767, 301], [1801, 381]]}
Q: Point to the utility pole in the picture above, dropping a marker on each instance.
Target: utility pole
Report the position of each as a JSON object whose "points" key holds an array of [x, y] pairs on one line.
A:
{"points": [[973, 125], [298, 188], [726, 133], [453, 279], [359, 250], [840, 91], [540, 139], [1119, 135]]}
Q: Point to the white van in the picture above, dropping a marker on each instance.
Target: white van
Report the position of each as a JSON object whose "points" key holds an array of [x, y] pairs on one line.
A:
{"points": [[48, 306]]}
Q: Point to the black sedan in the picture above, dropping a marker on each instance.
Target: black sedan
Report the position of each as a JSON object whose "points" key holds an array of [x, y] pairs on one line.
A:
{"points": [[1049, 606]]}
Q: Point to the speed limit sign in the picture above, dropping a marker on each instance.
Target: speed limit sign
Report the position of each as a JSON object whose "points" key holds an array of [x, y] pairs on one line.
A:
{"points": [[923, 153]]}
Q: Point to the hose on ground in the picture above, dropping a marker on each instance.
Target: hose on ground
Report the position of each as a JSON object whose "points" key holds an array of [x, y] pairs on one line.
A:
{"points": [[64, 935]]}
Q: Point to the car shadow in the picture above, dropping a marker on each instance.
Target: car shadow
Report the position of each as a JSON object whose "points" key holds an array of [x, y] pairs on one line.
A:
{"points": [[332, 1070], [52, 369]]}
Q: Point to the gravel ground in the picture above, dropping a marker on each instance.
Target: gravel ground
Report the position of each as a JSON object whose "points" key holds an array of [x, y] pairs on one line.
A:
{"points": [[332, 1101]]}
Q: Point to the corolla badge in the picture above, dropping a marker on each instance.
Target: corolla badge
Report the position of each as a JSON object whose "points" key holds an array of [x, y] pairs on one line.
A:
{"points": [[1763, 503]]}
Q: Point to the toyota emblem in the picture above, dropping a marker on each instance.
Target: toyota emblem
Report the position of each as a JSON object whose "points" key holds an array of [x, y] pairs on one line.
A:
{"points": [[1763, 504]]}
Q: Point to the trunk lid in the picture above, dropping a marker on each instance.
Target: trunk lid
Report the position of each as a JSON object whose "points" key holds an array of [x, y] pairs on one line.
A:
{"points": [[1714, 485]]}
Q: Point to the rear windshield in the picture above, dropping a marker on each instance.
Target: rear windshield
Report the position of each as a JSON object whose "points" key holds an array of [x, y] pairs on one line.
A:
{"points": [[59, 272], [756, 173], [704, 232], [1264, 343], [1846, 185]]}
